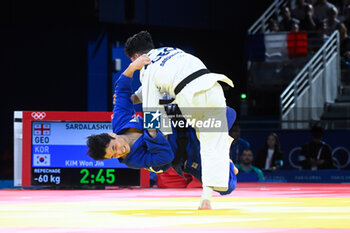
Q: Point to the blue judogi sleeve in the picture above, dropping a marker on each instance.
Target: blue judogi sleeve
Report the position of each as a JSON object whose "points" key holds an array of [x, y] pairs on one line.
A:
{"points": [[123, 108]]}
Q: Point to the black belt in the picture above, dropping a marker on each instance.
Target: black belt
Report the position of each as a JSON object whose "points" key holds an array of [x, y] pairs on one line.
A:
{"points": [[184, 82], [188, 79]]}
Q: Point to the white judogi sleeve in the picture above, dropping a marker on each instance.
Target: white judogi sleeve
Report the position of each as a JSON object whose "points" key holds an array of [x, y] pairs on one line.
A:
{"points": [[150, 101], [138, 93], [150, 93]]}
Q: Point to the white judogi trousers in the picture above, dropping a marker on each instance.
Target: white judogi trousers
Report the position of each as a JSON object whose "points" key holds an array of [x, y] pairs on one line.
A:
{"points": [[214, 146]]}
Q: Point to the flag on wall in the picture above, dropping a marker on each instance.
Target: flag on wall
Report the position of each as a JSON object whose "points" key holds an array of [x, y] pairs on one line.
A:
{"points": [[278, 46]]}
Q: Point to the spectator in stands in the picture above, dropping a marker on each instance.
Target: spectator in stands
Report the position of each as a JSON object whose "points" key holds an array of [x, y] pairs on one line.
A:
{"points": [[287, 21], [346, 19], [245, 166], [331, 20], [308, 23], [316, 154], [238, 144], [344, 44], [273, 25], [341, 6], [321, 7], [295, 27], [270, 157], [299, 11], [320, 35]]}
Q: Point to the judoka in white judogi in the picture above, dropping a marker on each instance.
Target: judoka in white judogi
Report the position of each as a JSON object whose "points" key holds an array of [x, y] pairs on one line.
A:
{"points": [[201, 99]]}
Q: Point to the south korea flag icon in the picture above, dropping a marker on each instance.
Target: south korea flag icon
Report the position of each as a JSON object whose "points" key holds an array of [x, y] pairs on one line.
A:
{"points": [[41, 160]]}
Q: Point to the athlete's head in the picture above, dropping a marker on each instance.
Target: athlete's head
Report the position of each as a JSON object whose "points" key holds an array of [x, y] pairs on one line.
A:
{"points": [[138, 44], [107, 146]]}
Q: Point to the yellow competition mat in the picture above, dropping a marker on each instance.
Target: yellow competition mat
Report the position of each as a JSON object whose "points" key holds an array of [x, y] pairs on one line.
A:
{"points": [[251, 208]]}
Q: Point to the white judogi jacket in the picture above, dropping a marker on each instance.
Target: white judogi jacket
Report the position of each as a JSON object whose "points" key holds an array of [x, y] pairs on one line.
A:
{"points": [[168, 68]]}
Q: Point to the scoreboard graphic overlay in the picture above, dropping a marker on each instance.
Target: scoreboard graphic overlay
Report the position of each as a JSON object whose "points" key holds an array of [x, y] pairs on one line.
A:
{"points": [[55, 152]]}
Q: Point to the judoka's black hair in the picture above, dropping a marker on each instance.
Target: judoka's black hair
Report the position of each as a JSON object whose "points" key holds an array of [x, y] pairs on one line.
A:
{"points": [[139, 43], [97, 145]]}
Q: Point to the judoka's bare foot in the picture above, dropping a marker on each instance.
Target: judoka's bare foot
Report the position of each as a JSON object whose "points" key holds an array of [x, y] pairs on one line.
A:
{"points": [[205, 205]]}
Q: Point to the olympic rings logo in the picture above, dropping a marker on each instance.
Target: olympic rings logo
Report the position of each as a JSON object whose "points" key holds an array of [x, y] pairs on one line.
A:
{"points": [[291, 153], [38, 115], [336, 160], [294, 153]]}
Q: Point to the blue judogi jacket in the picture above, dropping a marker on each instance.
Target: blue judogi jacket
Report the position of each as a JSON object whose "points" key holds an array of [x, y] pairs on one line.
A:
{"points": [[147, 152], [156, 154]]}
